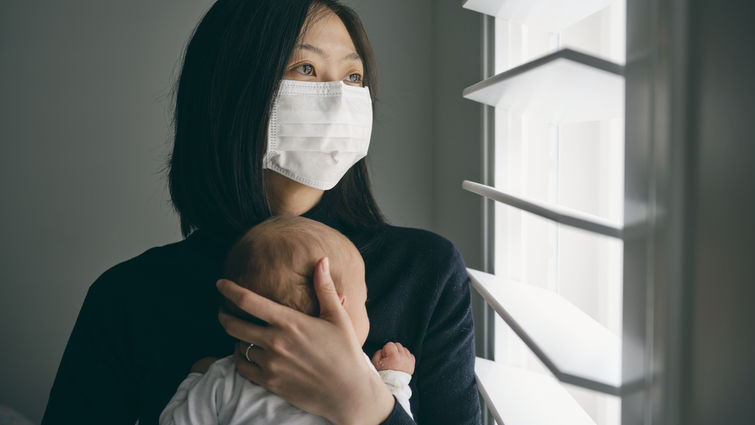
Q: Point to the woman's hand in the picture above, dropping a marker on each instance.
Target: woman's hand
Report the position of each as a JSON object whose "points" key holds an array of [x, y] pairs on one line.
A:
{"points": [[314, 363]]}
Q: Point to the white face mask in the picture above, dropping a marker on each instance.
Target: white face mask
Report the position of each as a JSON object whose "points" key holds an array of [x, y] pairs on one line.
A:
{"points": [[317, 131]]}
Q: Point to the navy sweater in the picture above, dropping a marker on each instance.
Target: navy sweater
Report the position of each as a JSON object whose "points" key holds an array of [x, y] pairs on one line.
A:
{"points": [[145, 322]]}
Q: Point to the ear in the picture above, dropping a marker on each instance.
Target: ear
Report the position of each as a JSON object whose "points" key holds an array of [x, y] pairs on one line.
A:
{"points": [[342, 298]]}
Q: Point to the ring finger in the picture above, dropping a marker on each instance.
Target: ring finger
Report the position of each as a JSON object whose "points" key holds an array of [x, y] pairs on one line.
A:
{"points": [[250, 352]]}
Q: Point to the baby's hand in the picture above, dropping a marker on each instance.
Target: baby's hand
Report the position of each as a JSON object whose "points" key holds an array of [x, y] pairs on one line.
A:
{"points": [[202, 365], [394, 356]]}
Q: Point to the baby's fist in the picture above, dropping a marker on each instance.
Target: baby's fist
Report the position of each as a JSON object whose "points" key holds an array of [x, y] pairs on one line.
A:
{"points": [[394, 356]]}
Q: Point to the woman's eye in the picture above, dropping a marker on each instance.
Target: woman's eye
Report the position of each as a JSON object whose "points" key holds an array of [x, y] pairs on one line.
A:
{"points": [[305, 69], [354, 78]]}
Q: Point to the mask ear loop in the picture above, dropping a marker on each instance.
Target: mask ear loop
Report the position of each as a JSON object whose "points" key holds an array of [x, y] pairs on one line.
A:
{"points": [[271, 134]]}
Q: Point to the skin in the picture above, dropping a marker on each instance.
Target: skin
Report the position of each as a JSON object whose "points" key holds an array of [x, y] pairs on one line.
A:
{"points": [[315, 363], [324, 53], [394, 356], [354, 297]]}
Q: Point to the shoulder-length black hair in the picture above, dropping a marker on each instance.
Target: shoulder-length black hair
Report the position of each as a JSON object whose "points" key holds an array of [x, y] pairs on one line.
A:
{"points": [[231, 71]]}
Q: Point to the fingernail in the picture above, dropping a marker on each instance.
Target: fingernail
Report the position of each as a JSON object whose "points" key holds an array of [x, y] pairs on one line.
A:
{"points": [[219, 283], [326, 265]]}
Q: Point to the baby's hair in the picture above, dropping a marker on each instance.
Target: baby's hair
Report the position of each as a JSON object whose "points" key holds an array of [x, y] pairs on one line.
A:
{"points": [[277, 258]]}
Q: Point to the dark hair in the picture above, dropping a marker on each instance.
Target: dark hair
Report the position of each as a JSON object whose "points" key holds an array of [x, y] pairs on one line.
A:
{"points": [[232, 68]]}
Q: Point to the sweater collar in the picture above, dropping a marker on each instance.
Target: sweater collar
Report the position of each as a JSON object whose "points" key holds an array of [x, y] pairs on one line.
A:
{"points": [[325, 215], [210, 245]]}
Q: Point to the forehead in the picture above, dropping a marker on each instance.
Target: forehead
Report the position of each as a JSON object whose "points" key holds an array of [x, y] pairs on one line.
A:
{"points": [[325, 30]]}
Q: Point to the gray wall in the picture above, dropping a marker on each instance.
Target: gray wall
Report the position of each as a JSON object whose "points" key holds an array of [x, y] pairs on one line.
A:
{"points": [[719, 366], [427, 138], [400, 162], [457, 148], [84, 121], [690, 107], [84, 124]]}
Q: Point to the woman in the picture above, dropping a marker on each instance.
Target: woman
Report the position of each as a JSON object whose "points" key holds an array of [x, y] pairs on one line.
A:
{"points": [[146, 321]]}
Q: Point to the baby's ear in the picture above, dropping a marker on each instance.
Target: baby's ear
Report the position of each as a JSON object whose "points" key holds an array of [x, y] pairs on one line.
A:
{"points": [[342, 298]]}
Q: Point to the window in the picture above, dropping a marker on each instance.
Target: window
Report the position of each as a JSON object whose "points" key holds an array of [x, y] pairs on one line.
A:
{"points": [[557, 182]]}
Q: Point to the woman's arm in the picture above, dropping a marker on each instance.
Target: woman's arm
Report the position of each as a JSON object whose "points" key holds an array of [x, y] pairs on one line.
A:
{"points": [[314, 363], [445, 372], [94, 383]]}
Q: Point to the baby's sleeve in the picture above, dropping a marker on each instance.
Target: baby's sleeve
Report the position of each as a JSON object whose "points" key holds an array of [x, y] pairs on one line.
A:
{"points": [[398, 383], [197, 399]]}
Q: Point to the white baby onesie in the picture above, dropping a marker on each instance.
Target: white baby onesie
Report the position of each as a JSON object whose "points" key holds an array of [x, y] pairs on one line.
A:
{"points": [[223, 397]]}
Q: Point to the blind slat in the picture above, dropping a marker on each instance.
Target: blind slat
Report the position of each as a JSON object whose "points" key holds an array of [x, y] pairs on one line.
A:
{"points": [[573, 346], [564, 86], [519, 397], [565, 216], [550, 15]]}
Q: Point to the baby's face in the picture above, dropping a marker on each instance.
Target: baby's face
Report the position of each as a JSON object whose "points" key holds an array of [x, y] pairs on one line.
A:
{"points": [[354, 299]]}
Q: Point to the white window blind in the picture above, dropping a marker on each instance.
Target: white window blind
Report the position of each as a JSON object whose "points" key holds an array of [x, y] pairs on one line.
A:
{"points": [[557, 182]]}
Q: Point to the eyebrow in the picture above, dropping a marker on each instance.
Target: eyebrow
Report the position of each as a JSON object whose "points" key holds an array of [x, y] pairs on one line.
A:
{"points": [[319, 51]]}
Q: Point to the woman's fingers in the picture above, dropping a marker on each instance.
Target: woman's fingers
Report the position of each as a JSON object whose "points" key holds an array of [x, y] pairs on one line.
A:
{"points": [[330, 304], [254, 304], [263, 367], [243, 330], [249, 370], [252, 353], [302, 355]]}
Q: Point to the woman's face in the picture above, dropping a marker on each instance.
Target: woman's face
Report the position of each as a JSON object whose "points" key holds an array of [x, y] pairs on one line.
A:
{"points": [[325, 53]]}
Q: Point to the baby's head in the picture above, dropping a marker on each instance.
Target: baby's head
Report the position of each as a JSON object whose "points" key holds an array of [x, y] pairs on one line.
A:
{"points": [[277, 259]]}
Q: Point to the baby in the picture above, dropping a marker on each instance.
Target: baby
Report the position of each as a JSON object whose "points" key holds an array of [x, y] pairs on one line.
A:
{"points": [[276, 259]]}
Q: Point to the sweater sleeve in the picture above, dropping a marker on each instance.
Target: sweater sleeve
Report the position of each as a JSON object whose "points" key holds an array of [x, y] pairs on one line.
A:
{"points": [[398, 383], [95, 383], [398, 416], [446, 387], [445, 373]]}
